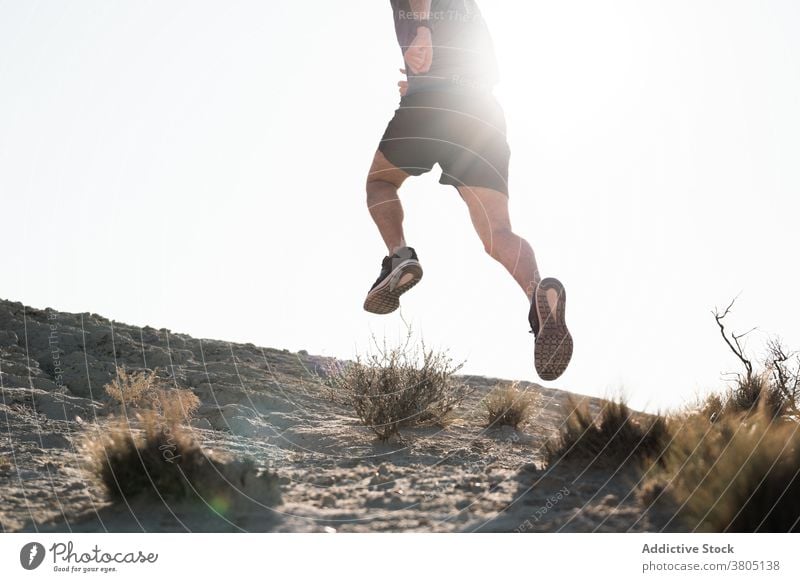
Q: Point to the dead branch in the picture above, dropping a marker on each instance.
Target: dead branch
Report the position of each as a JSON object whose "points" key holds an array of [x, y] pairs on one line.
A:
{"points": [[733, 341], [785, 379]]}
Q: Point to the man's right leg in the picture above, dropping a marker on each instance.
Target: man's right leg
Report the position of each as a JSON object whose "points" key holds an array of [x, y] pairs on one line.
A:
{"points": [[401, 269], [383, 202]]}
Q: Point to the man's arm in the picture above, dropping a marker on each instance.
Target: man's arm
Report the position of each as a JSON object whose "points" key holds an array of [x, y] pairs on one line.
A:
{"points": [[402, 84], [419, 55]]}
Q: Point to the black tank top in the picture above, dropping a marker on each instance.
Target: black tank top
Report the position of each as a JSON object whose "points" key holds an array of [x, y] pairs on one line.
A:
{"points": [[463, 53]]}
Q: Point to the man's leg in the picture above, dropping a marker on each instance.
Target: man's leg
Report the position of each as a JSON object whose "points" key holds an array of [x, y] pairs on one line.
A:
{"points": [[553, 347], [384, 205], [489, 212], [400, 270]]}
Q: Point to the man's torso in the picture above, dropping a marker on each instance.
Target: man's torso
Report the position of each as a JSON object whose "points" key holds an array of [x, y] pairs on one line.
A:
{"points": [[463, 53]]}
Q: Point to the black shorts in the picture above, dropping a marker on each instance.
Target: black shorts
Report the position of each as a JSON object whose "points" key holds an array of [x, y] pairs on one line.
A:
{"points": [[464, 134]]}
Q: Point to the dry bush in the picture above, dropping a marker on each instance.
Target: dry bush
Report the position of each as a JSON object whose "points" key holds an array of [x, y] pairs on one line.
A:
{"points": [[159, 459], [132, 388], [756, 393], [740, 473], [712, 407], [163, 459], [783, 369], [614, 438], [509, 406], [176, 405], [146, 390], [748, 396], [771, 386], [400, 386]]}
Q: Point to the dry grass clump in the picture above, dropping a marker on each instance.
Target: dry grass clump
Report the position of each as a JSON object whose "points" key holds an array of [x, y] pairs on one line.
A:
{"points": [[712, 407], [748, 395], [132, 388], [146, 390], [615, 437], [150, 452], [161, 458], [509, 406], [754, 392], [400, 386], [739, 473], [176, 404], [164, 460]]}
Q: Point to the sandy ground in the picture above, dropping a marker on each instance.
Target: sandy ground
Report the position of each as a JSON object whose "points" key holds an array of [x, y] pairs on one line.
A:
{"points": [[268, 405]]}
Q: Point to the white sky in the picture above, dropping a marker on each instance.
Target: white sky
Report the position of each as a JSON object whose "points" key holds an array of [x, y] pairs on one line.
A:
{"points": [[200, 166]]}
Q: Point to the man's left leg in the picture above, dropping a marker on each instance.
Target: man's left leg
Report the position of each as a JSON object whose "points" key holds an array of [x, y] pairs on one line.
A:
{"points": [[488, 210]]}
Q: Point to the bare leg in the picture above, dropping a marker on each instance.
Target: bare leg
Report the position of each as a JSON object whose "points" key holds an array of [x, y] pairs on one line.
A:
{"points": [[553, 347], [489, 212], [384, 205]]}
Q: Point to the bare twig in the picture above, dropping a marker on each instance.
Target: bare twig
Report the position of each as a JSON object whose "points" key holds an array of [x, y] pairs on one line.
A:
{"points": [[733, 341], [785, 379]]}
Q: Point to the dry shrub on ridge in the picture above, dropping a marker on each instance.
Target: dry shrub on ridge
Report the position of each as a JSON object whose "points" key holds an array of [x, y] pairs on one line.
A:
{"points": [[150, 452], [615, 437], [399, 386], [163, 459], [755, 393], [740, 473], [160, 458], [749, 395], [509, 406], [146, 390]]}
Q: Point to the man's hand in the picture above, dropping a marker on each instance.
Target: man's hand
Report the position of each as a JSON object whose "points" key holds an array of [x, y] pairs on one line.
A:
{"points": [[419, 55], [402, 84]]}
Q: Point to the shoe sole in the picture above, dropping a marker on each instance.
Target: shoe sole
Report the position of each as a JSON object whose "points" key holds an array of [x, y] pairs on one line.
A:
{"points": [[553, 348], [385, 298]]}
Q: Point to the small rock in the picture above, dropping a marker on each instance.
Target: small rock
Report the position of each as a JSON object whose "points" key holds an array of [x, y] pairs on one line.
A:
{"points": [[52, 440], [374, 501], [381, 482], [222, 417], [8, 338], [324, 480], [201, 423], [610, 499], [241, 426], [463, 504], [395, 502]]}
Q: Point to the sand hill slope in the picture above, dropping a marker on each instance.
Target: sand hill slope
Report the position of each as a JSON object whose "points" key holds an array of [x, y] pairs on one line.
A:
{"points": [[268, 405]]}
